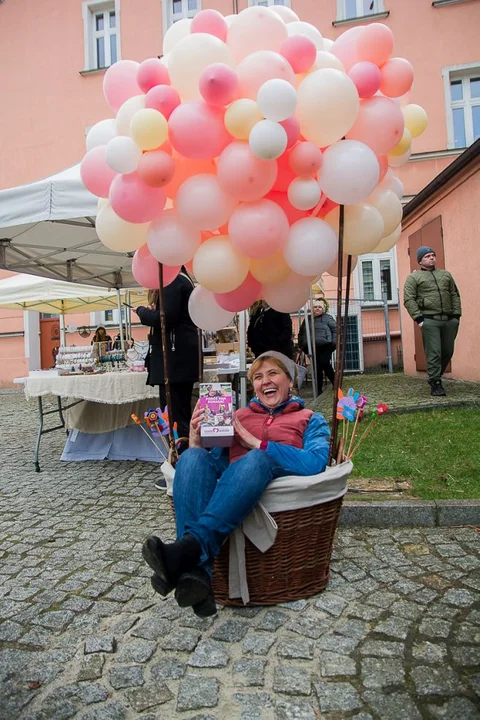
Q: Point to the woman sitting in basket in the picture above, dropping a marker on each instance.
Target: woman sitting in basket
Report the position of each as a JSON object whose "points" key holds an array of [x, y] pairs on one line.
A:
{"points": [[214, 491]]}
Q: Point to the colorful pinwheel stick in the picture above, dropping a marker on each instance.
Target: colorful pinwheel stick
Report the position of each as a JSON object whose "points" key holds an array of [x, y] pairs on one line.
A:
{"points": [[381, 409], [139, 423]]}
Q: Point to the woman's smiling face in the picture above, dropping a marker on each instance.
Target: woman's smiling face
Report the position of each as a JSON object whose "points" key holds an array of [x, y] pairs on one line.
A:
{"points": [[271, 384]]}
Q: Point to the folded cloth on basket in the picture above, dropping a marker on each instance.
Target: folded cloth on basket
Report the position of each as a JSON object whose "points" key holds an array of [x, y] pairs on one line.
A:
{"points": [[291, 492]]}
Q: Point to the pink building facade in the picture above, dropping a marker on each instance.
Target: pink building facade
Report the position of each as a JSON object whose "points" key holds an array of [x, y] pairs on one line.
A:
{"points": [[53, 57]]}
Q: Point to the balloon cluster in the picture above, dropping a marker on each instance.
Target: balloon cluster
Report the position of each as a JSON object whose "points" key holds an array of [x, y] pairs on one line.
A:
{"points": [[232, 153]]}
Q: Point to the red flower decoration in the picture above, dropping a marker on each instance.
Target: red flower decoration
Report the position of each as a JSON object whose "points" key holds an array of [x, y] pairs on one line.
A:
{"points": [[381, 409]]}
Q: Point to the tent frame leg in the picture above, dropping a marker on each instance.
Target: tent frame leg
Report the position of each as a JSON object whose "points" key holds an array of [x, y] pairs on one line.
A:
{"points": [[42, 414]]}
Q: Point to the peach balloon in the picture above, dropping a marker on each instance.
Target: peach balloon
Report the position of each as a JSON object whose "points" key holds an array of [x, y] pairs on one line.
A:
{"points": [[148, 129], [120, 82], [170, 242], [126, 112], [292, 128], [397, 77], [242, 297], [189, 59], [333, 269], [175, 33], [345, 47], [389, 207], [285, 174], [205, 311], [118, 235], [375, 44], [403, 145], [305, 29], [241, 116], [327, 106], [244, 176], [145, 270], [388, 241], [156, 168], [272, 269], [218, 266], [256, 28], [379, 124], [363, 228], [197, 130], [258, 68], [186, 168], [397, 161], [134, 201], [211, 22], [282, 201], [383, 166], [202, 204], [258, 229], [327, 60], [288, 295], [311, 247], [285, 13], [305, 159], [416, 119]]}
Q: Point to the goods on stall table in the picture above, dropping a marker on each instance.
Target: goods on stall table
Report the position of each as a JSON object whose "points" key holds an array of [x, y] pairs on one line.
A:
{"points": [[76, 358]]}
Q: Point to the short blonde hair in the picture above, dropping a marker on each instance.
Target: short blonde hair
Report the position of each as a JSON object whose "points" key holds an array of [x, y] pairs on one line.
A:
{"points": [[259, 362]]}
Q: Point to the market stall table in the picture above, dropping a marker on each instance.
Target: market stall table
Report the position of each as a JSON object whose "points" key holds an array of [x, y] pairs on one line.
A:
{"points": [[98, 414]]}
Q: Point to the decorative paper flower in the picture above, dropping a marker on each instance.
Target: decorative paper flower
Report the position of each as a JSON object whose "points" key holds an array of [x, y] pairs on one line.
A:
{"points": [[346, 406], [361, 402], [381, 409]]}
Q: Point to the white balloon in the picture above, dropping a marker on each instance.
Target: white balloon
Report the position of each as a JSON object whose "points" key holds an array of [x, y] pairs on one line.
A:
{"points": [[389, 207], [122, 154], [164, 59], [101, 133], [310, 31], [388, 241], [349, 172], [229, 19], [277, 100], [170, 242], [205, 312], [285, 13], [392, 182], [175, 33], [328, 43], [126, 112], [304, 193], [327, 60], [268, 140], [397, 161], [311, 246], [288, 295]]}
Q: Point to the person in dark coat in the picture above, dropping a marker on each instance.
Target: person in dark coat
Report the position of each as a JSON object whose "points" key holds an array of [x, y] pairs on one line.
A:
{"points": [[325, 341], [269, 329], [183, 350]]}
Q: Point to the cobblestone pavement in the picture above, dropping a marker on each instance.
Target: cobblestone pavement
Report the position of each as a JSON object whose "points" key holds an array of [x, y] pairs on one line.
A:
{"points": [[395, 636]]}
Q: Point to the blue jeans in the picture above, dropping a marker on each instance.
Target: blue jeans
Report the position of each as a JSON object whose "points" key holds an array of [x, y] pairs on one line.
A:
{"points": [[210, 502]]}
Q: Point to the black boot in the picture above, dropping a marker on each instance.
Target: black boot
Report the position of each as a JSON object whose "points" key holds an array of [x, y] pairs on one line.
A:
{"points": [[207, 607], [193, 588], [170, 561], [437, 389]]}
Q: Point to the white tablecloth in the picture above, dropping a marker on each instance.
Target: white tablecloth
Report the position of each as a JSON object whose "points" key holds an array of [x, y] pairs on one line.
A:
{"points": [[111, 388]]}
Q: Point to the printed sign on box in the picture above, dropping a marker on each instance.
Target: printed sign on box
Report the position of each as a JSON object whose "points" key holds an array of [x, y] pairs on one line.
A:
{"points": [[217, 403]]}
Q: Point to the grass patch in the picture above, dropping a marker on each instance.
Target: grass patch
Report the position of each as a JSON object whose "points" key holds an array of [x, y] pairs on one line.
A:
{"points": [[438, 451]]}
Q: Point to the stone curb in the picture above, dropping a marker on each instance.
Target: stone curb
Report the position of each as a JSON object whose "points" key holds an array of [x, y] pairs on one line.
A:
{"points": [[435, 406], [410, 513]]}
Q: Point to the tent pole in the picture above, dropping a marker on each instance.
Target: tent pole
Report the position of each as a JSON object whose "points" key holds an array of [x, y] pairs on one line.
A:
{"points": [[120, 322], [242, 346], [63, 334], [308, 336], [173, 456], [338, 360], [316, 389]]}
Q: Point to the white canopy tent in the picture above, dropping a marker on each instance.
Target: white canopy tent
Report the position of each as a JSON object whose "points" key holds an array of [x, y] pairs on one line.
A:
{"points": [[47, 228]]}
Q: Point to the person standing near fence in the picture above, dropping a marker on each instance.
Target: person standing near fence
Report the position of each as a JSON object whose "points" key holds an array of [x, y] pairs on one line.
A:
{"points": [[325, 341], [432, 299], [269, 329]]}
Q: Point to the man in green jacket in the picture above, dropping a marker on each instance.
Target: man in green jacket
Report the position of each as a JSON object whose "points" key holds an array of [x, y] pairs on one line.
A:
{"points": [[432, 299]]}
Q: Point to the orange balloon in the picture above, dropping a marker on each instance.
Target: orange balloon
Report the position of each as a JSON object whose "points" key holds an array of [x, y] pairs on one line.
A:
{"points": [[185, 168]]}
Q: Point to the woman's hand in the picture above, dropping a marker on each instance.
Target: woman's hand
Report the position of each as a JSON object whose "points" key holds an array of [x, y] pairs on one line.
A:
{"points": [[194, 434], [245, 438]]}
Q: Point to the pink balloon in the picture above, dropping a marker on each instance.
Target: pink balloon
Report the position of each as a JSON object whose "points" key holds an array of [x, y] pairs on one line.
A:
{"points": [[305, 159], [120, 83], [326, 207], [162, 98], [345, 47], [366, 76], [282, 201], [151, 73], [197, 130], [258, 229], [375, 44], [285, 174], [218, 83], [379, 124], [300, 52], [292, 128], [145, 270], [156, 168], [258, 67], [383, 165], [397, 77], [243, 175], [241, 298], [134, 201], [96, 175], [211, 22]]}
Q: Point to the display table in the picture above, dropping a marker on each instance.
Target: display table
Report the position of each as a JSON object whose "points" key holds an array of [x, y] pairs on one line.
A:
{"points": [[97, 414]]}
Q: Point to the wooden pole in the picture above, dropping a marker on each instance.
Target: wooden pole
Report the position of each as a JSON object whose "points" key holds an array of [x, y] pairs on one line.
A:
{"points": [[332, 455], [166, 373]]}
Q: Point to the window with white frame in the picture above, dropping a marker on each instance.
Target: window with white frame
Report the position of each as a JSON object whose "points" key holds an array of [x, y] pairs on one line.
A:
{"points": [[349, 9], [269, 3], [376, 277], [101, 33], [463, 107], [179, 9]]}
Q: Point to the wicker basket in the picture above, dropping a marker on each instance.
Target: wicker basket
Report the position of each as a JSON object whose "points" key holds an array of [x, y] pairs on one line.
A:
{"points": [[295, 567]]}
